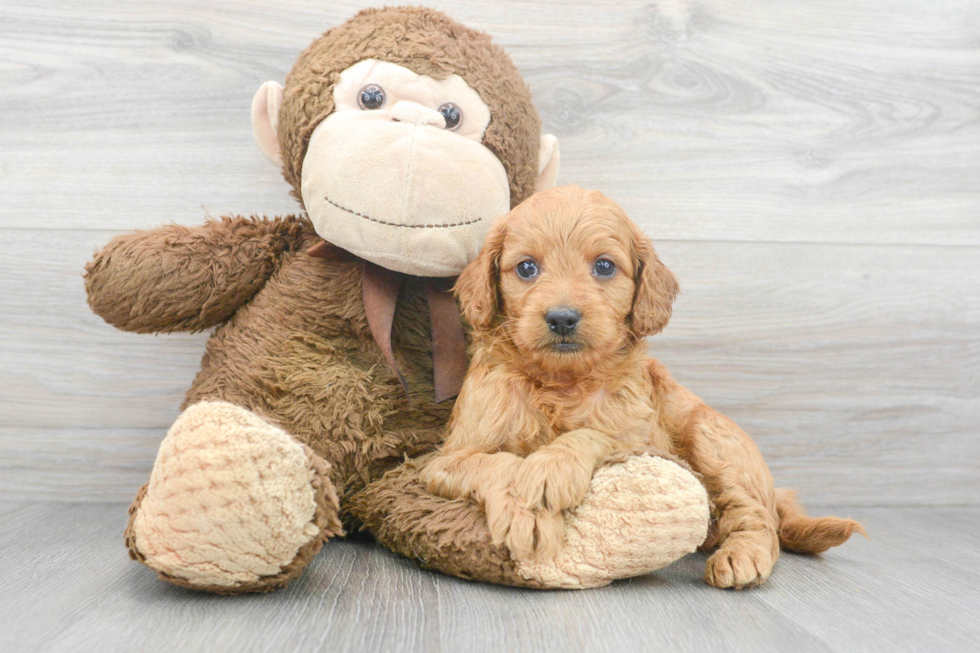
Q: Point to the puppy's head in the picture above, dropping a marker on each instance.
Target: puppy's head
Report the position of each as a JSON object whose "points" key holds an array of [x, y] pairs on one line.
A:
{"points": [[569, 279]]}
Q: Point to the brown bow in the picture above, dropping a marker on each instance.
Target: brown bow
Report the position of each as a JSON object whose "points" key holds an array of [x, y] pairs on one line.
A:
{"points": [[380, 288]]}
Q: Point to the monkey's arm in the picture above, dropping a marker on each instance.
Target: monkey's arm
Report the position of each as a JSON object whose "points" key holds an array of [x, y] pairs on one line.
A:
{"points": [[177, 278]]}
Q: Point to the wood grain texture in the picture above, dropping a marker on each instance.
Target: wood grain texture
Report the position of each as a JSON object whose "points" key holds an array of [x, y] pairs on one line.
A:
{"points": [[830, 122], [854, 368], [66, 584], [809, 170]]}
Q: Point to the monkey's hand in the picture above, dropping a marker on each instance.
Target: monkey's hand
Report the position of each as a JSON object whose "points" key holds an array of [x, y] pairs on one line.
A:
{"points": [[178, 278]]}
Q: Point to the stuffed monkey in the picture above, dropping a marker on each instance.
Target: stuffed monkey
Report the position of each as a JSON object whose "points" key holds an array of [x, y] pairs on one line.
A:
{"points": [[336, 348]]}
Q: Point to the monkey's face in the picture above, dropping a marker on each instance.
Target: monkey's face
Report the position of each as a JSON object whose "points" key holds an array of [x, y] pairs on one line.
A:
{"points": [[397, 173], [394, 158]]}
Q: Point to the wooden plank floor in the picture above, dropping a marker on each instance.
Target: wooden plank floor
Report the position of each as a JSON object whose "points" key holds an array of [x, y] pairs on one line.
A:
{"points": [[808, 169], [67, 585]]}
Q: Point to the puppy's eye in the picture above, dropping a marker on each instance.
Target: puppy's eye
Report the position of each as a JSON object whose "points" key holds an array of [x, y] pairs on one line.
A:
{"points": [[371, 97], [527, 269], [604, 268], [452, 114]]}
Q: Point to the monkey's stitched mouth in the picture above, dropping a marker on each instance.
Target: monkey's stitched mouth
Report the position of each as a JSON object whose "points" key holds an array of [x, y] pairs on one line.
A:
{"points": [[395, 224]]}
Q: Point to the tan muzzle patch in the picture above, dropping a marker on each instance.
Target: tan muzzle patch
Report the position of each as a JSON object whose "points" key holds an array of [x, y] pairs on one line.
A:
{"points": [[409, 197]]}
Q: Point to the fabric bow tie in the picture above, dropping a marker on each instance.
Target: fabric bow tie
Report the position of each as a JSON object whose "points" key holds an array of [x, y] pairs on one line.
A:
{"points": [[380, 288]]}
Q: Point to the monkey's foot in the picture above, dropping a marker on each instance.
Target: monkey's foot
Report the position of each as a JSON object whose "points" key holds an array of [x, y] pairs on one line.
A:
{"points": [[234, 504], [640, 514]]}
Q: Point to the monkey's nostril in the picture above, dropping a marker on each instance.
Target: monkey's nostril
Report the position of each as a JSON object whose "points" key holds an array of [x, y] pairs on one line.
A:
{"points": [[562, 320], [417, 114]]}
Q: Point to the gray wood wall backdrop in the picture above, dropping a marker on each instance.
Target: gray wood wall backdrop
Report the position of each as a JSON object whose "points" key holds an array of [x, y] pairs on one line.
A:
{"points": [[810, 170]]}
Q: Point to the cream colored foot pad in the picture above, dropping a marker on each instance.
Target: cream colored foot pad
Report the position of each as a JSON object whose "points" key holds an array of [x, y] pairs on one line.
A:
{"points": [[639, 516], [230, 499]]}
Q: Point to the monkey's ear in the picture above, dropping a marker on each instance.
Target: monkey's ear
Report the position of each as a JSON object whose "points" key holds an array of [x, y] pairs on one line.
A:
{"points": [[265, 119], [476, 287], [656, 288], [548, 157]]}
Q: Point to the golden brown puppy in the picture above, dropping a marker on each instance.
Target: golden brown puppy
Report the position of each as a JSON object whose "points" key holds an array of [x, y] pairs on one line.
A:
{"points": [[560, 300]]}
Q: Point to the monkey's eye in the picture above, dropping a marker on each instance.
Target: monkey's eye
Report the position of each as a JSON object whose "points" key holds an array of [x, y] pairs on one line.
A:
{"points": [[371, 97], [527, 269], [604, 268], [452, 114]]}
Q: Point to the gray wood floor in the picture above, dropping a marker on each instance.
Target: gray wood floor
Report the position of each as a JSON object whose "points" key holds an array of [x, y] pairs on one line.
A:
{"points": [[915, 586], [808, 169]]}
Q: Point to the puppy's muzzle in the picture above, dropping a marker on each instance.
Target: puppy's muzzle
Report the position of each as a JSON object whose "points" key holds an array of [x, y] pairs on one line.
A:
{"points": [[562, 320]]}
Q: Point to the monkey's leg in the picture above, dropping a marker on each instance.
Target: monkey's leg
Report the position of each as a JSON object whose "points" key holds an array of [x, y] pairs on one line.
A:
{"points": [[234, 504], [642, 512]]}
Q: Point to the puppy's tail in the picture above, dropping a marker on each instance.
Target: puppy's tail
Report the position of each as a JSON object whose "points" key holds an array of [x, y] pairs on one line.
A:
{"points": [[803, 534]]}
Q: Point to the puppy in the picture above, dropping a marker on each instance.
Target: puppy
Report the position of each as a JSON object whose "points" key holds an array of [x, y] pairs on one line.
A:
{"points": [[560, 300]]}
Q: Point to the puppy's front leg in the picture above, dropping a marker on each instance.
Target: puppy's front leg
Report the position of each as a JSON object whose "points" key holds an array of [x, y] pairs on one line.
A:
{"points": [[470, 474], [489, 419], [488, 479], [555, 477], [558, 475], [474, 459]]}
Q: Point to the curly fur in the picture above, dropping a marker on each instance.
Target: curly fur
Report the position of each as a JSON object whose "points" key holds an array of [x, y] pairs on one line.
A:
{"points": [[533, 421]]}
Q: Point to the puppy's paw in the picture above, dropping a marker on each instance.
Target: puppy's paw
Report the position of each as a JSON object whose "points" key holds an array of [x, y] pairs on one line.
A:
{"points": [[739, 565], [504, 514], [436, 477], [469, 475], [549, 535], [527, 534], [520, 536], [535, 535], [551, 481]]}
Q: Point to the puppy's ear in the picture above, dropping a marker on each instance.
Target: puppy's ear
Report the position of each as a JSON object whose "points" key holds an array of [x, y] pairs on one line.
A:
{"points": [[656, 288], [476, 287]]}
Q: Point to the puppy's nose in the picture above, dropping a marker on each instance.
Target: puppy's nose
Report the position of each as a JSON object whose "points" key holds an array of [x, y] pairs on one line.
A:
{"points": [[562, 320]]}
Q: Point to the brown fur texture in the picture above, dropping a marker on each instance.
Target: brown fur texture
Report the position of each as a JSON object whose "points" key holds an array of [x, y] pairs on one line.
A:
{"points": [[296, 349], [290, 341], [426, 42], [187, 279], [540, 410]]}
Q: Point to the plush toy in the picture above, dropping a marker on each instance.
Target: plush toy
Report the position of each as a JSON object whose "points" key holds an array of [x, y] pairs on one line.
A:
{"points": [[336, 347]]}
